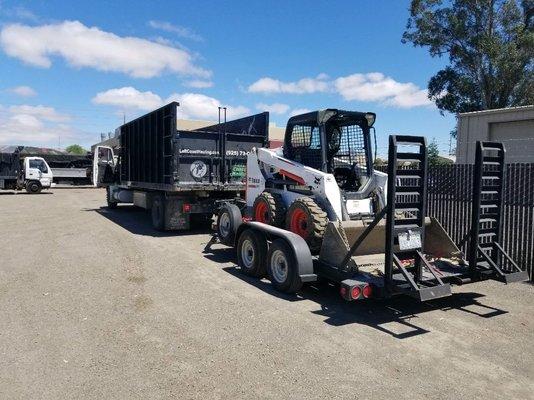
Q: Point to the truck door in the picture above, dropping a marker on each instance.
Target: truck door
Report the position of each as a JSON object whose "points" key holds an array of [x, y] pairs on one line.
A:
{"points": [[103, 166]]}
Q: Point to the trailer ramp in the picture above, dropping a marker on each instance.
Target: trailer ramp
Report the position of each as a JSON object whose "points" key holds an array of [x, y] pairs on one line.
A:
{"points": [[487, 258]]}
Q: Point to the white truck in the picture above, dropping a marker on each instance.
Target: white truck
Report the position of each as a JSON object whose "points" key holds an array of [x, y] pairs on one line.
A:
{"points": [[17, 172]]}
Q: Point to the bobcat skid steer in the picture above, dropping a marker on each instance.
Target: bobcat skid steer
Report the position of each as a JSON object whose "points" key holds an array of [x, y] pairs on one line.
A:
{"points": [[316, 208]]}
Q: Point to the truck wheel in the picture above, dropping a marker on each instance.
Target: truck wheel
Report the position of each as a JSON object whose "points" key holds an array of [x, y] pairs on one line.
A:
{"points": [[251, 252], [158, 213], [269, 208], [33, 187], [282, 267], [228, 220], [308, 220], [111, 204]]}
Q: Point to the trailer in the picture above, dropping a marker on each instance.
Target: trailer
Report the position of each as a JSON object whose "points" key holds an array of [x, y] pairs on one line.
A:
{"points": [[315, 209], [179, 176], [20, 172]]}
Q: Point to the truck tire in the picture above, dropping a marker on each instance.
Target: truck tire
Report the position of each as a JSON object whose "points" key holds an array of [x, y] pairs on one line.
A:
{"points": [[111, 204], [305, 218], [158, 213], [33, 187], [269, 208], [251, 253], [282, 267], [228, 220]]}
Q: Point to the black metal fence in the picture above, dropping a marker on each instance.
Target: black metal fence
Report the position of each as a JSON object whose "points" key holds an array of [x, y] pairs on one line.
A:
{"points": [[450, 191]]}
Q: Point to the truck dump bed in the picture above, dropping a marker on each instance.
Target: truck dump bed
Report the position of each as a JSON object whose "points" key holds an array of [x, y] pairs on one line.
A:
{"points": [[156, 154], [9, 165]]}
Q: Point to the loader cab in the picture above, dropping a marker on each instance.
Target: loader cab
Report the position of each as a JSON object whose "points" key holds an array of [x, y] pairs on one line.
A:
{"points": [[333, 141]]}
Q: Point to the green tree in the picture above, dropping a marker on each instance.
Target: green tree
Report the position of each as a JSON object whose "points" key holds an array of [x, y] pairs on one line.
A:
{"points": [[433, 153], [490, 46], [76, 149]]}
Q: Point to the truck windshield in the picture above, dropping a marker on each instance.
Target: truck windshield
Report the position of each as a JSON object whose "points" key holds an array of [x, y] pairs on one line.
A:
{"points": [[40, 165]]}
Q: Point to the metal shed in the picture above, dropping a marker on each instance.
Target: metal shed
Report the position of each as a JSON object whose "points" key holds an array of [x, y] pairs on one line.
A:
{"points": [[513, 126]]}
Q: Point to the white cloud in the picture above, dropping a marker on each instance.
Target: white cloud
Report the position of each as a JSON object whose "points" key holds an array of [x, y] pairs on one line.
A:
{"points": [[192, 105], [370, 87], [83, 46], [41, 112], [275, 108], [23, 91], [306, 85], [298, 111], [199, 106], [128, 98], [35, 126], [180, 31], [199, 84], [376, 87]]}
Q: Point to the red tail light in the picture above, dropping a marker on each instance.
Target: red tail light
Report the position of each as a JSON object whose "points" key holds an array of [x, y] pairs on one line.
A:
{"points": [[355, 292], [343, 291], [186, 208], [367, 291]]}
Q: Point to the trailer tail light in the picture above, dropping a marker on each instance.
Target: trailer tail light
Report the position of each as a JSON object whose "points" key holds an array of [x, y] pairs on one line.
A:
{"points": [[355, 292], [367, 291], [343, 291], [186, 208]]}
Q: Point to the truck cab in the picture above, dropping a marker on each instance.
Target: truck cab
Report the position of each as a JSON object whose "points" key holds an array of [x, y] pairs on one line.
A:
{"points": [[37, 174]]}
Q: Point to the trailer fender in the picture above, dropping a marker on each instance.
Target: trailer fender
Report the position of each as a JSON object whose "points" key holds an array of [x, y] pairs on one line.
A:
{"points": [[299, 246]]}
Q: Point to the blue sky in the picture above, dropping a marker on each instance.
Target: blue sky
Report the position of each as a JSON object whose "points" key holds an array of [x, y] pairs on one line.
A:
{"points": [[70, 70]]}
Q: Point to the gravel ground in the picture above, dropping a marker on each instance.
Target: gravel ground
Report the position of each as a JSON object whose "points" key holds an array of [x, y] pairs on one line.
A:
{"points": [[95, 305]]}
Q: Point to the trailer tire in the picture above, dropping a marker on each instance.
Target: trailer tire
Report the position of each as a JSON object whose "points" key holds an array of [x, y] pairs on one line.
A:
{"points": [[33, 187], [252, 252], [228, 220], [282, 267], [269, 208], [158, 213], [111, 204], [308, 220]]}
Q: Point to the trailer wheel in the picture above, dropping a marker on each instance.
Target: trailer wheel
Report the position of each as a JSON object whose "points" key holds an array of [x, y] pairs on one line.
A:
{"points": [[228, 220], [308, 220], [269, 208], [158, 213], [33, 187], [251, 253], [111, 204], [282, 267]]}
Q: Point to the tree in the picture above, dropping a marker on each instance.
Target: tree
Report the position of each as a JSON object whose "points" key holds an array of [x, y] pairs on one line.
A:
{"points": [[76, 149], [433, 153], [490, 45]]}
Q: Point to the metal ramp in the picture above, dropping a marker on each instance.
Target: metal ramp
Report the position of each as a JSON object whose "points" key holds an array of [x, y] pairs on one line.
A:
{"points": [[405, 222], [486, 256]]}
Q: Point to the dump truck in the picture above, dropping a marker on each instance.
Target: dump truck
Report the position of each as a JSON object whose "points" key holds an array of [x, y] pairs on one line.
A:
{"points": [[19, 172], [316, 209], [180, 176]]}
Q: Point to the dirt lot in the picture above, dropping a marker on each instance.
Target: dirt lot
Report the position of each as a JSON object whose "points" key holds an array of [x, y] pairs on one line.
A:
{"points": [[95, 305]]}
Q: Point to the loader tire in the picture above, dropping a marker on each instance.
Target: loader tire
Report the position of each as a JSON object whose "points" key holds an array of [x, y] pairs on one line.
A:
{"points": [[269, 208], [308, 220], [111, 204]]}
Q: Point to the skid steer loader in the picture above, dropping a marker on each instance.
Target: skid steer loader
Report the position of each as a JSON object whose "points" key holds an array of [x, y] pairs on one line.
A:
{"points": [[316, 208]]}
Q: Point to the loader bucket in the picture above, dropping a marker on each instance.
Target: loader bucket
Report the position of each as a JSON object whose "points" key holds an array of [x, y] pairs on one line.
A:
{"points": [[339, 237]]}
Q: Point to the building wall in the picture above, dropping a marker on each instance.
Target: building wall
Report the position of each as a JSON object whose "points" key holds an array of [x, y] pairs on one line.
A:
{"points": [[512, 126]]}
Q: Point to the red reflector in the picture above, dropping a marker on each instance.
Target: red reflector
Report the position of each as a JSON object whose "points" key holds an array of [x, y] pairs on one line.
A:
{"points": [[355, 292], [367, 291], [187, 208]]}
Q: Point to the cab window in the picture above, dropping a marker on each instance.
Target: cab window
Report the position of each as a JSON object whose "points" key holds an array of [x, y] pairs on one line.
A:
{"points": [[40, 165]]}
